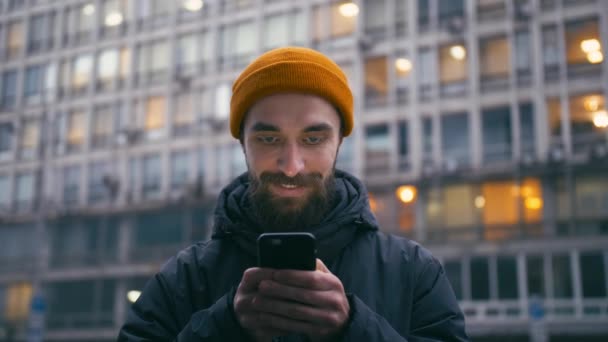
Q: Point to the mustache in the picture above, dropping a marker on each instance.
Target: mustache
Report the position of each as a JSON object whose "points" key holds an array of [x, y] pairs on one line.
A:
{"points": [[298, 180]]}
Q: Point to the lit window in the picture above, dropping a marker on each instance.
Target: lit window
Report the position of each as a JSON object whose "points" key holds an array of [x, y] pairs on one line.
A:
{"points": [[376, 81], [583, 44], [155, 113], [107, 65], [102, 124], [81, 71], [453, 63], [18, 299], [343, 19], [276, 31], [31, 135], [184, 110], [76, 128], [125, 63], [14, 38], [495, 57]]}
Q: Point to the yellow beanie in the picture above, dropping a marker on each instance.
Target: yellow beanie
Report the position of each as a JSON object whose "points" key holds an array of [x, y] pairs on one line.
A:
{"points": [[291, 69]]}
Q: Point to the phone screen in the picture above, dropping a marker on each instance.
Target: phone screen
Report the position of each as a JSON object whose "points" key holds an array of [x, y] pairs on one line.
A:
{"points": [[295, 251]]}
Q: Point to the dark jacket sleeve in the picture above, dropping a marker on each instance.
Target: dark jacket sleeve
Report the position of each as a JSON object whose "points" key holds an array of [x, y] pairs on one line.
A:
{"points": [[435, 315], [156, 316]]}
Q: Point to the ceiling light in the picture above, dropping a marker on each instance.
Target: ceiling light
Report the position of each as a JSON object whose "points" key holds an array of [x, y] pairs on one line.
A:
{"points": [[403, 65], [480, 202], [193, 5], [533, 203], [590, 45], [348, 9], [591, 103], [406, 193], [595, 57], [88, 9], [113, 19], [458, 52], [600, 119]]}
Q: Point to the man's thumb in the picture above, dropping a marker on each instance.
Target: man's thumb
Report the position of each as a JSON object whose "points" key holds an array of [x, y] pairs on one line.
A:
{"points": [[321, 266]]}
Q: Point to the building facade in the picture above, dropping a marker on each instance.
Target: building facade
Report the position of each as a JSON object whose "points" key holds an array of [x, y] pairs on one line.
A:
{"points": [[481, 132]]}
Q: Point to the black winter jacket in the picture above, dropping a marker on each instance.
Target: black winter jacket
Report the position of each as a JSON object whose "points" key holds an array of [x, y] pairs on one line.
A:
{"points": [[396, 289]]}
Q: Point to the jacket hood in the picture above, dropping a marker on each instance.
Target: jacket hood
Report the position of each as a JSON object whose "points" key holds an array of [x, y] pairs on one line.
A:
{"points": [[350, 214]]}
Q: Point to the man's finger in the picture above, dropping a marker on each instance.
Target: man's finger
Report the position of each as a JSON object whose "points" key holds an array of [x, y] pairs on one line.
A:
{"points": [[253, 276], [321, 266], [316, 280]]}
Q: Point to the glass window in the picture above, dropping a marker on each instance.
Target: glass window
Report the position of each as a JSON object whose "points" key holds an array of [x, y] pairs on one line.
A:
{"points": [[24, 194], [401, 15], [151, 179], [427, 138], [276, 31], [424, 15], [102, 126], [402, 67], [550, 50], [107, 65], [180, 167], [506, 270], [496, 134], [71, 184], [457, 206], [300, 28], [19, 297], [535, 276], [223, 92], [124, 63], [8, 98], [5, 199], [377, 147], [453, 69], [30, 138], [183, 116], [34, 76], [81, 71], [76, 128], [158, 229], [374, 18], [342, 21], [14, 39], [404, 149], [554, 114], [376, 81], [185, 56], [495, 56], [98, 171], [453, 270], [591, 196], [562, 276], [206, 46], [155, 113], [455, 139], [153, 58], [450, 8], [523, 51], [593, 274], [37, 33], [583, 42], [6, 137], [588, 121], [238, 43], [527, 128], [480, 279], [491, 10]]}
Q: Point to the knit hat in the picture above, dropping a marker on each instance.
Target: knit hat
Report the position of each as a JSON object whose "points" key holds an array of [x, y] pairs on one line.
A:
{"points": [[291, 69]]}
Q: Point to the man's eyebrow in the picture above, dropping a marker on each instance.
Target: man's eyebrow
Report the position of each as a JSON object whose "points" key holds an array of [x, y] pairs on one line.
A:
{"points": [[318, 128], [262, 127]]}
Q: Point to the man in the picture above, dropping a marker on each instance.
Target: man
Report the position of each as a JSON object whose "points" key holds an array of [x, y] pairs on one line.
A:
{"points": [[290, 109]]}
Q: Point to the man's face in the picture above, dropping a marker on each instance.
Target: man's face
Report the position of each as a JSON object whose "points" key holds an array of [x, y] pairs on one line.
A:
{"points": [[291, 142]]}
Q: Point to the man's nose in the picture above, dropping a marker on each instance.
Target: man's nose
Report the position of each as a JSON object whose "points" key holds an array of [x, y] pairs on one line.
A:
{"points": [[291, 161]]}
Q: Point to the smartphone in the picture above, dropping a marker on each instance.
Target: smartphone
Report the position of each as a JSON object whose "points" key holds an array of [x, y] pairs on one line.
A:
{"points": [[296, 251]]}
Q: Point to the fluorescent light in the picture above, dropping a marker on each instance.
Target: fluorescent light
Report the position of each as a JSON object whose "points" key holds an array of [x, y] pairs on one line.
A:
{"points": [[113, 19], [348, 9], [133, 295], [192, 5], [458, 52]]}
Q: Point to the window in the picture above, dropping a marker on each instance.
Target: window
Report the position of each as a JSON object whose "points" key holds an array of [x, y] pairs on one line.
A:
{"points": [[151, 178], [76, 129], [180, 167], [6, 138], [591, 199], [453, 69], [426, 76], [5, 200], [402, 68], [523, 57], [71, 184], [185, 54], [452, 208], [276, 31], [153, 231], [495, 56], [583, 43], [526, 130], [107, 66], [455, 140], [340, 23], [562, 276], [554, 119], [489, 10], [40, 32], [238, 44], [587, 121], [401, 15], [424, 15], [155, 115], [124, 67], [377, 147], [480, 279], [30, 137], [24, 194], [374, 18], [427, 138], [34, 82], [14, 39], [82, 67], [183, 115], [453, 270], [153, 61], [80, 21], [593, 274], [550, 50], [114, 15], [535, 276], [8, 98], [223, 92], [404, 146], [98, 172], [19, 297], [450, 10], [102, 126], [506, 270], [496, 134], [376, 81]]}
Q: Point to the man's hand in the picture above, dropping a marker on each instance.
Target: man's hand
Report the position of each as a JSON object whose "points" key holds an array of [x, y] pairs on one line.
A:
{"points": [[310, 303]]}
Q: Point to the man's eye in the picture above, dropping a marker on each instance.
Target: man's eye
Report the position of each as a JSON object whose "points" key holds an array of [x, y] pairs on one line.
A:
{"points": [[313, 140], [268, 139]]}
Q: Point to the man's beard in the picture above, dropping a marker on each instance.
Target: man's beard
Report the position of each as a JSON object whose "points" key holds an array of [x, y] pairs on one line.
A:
{"points": [[280, 214]]}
